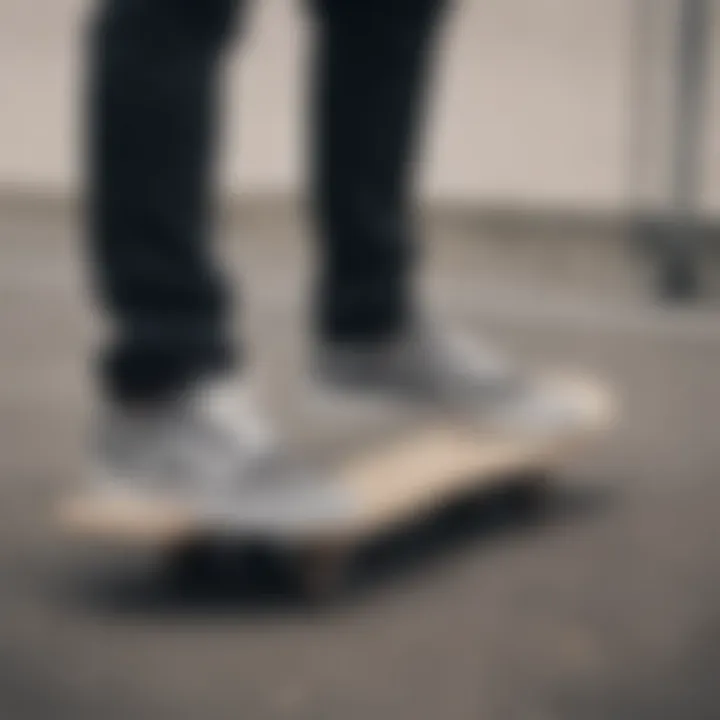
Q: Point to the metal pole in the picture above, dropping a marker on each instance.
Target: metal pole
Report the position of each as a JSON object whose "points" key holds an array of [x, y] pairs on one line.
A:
{"points": [[680, 271], [690, 95]]}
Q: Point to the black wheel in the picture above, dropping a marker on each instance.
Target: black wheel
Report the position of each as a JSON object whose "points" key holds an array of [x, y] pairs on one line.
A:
{"points": [[320, 574], [196, 564], [529, 494]]}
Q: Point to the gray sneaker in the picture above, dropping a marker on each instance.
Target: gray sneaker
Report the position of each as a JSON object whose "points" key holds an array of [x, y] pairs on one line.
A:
{"points": [[210, 454], [430, 367], [200, 441]]}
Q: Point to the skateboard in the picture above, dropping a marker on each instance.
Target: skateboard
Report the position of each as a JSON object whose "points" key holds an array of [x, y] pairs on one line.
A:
{"points": [[368, 493]]}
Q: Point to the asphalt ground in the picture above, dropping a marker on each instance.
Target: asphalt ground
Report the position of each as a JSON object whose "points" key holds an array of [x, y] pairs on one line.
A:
{"points": [[604, 607]]}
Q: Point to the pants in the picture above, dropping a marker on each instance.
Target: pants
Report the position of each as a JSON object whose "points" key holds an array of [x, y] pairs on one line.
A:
{"points": [[154, 91]]}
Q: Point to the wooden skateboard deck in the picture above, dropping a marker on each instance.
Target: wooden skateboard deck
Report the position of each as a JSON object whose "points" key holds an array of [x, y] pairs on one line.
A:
{"points": [[379, 489]]}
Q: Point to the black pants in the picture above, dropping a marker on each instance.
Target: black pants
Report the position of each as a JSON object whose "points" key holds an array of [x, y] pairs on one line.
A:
{"points": [[156, 70]]}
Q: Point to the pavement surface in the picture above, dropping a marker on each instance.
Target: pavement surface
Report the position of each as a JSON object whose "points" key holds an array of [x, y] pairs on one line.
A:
{"points": [[606, 607]]}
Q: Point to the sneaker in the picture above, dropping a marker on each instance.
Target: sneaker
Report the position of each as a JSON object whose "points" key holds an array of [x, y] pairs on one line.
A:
{"points": [[198, 441], [429, 367], [209, 453]]}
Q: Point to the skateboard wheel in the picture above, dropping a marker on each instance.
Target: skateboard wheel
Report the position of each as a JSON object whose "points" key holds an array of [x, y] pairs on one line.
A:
{"points": [[195, 564], [529, 493], [321, 573]]}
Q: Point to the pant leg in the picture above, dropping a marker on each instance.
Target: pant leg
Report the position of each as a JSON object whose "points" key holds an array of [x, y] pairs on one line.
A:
{"points": [[154, 76], [373, 67]]}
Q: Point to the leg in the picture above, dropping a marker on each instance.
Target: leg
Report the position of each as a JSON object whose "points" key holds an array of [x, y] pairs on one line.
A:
{"points": [[204, 451], [152, 113], [372, 77], [373, 72]]}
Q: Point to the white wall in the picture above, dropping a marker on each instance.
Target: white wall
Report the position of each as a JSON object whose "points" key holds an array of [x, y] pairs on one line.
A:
{"points": [[534, 101]]}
